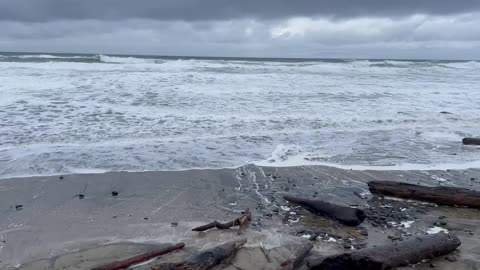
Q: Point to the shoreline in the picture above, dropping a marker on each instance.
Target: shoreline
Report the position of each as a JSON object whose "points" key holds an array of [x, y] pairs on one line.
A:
{"points": [[53, 220], [266, 164]]}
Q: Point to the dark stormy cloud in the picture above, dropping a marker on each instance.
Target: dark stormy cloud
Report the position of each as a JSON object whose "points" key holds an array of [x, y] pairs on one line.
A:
{"points": [[42, 10], [275, 28]]}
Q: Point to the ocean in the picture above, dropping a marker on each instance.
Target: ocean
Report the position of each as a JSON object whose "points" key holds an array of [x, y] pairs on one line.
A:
{"points": [[75, 113]]}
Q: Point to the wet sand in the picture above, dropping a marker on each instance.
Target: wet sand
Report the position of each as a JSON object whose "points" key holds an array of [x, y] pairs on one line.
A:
{"points": [[54, 220]]}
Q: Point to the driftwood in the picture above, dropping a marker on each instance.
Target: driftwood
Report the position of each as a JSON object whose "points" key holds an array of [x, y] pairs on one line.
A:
{"points": [[439, 195], [206, 259], [390, 256], [471, 141], [343, 214], [243, 219], [139, 258], [297, 257]]}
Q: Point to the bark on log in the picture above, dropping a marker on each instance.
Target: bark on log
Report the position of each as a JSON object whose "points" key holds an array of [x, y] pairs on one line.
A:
{"points": [[243, 219], [439, 195], [297, 257], [471, 141], [139, 258], [206, 259], [343, 214], [393, 255]]}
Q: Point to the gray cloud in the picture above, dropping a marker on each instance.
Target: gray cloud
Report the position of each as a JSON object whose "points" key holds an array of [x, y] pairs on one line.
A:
{"points": [[416, 36], [262, 28], [46, 10]]}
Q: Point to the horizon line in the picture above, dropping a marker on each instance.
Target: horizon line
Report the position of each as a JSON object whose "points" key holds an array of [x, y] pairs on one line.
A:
{"points": [[237, 57]]}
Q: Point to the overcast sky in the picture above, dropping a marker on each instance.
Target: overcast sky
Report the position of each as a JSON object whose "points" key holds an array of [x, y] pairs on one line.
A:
{"points": [[439, 29]]}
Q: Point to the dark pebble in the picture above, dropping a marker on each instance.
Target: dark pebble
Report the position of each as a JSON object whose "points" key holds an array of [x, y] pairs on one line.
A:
{"points": [[441, 217], [473, 179], [314, 237], [347, 246], [60, 177], [268, 215], [114, 217], [114, 193], [18, 207], [81, 196], [443, 223], [242, 174], [145, 218], [174, 224], [275, 210]]}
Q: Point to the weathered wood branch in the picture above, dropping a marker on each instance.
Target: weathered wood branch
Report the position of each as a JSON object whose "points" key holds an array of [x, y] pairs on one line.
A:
{"points": [[393, 255], [440, 195], [471, 141], [139, 258], [206, 259], [243, 219], [297, 257], [343, 214]]}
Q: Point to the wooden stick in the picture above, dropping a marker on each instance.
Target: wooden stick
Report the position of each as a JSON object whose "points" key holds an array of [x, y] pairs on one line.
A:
{"points": [[389, 256], [206, 259], [343, 214], [139, 258], [471, 141], [297, 257], [243, 219], [439, 195]]}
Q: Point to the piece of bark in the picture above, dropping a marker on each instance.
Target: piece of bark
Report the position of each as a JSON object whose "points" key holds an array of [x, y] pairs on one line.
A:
{"points": [[206, 259], [243, 219], [297, 257], [471, 141], [139, 258], [343, 214], [393, 255], [440, 195]]}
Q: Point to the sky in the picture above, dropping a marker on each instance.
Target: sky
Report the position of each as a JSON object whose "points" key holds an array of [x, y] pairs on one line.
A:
{"points": [[413, 29]]}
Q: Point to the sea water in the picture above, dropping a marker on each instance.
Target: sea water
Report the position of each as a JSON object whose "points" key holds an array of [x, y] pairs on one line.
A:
{"points": [[66, 113]]}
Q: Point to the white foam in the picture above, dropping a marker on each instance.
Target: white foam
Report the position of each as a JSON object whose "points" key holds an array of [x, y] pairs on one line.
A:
{"points": [[147, 114], [300, 161], [125, 60], [435, 230]]}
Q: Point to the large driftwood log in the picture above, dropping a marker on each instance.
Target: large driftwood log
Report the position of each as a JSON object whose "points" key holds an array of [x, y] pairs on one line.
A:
{"points": [[343, 214], [390, 256], [206, 259], [471, 141], [297, 257], [439, 195], [243, 219], [139, 258]]}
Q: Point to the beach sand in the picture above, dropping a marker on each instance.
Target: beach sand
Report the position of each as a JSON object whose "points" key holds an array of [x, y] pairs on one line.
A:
{"points": [[55, 228]]}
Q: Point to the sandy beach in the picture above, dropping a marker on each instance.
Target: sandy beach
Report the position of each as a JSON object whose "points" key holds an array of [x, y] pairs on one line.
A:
{"points": [[44, 218]]}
